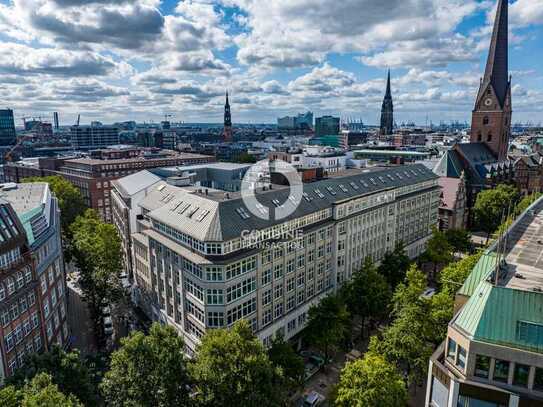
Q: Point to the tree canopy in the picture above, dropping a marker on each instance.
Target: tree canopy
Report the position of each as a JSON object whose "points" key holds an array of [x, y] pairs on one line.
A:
{"points": [[148, 370], [97, 251], [371, 382], [67, 370], [328, 324], [438, 251], [491, 207], [367, 294], [39, 392], [453, 276], [459, 239], [233, 369], [394, 265], [283, 356]]}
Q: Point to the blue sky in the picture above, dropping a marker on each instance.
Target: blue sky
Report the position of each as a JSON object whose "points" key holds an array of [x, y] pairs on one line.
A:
{"points": [[116, 60]]}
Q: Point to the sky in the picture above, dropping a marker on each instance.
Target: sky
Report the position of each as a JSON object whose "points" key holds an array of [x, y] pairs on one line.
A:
{"points": [[114, 60]]}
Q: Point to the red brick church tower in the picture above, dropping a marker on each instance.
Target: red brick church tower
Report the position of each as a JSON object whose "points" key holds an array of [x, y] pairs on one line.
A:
{"points": [[491, 119]]}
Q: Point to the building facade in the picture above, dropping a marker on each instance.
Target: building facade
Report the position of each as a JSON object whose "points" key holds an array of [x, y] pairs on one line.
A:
{"points": [[8, 136], [202, 261], [93, 176], [453, 210], [93, 136], [33, 305], [326, 126], [491, 119], [493, 353]]}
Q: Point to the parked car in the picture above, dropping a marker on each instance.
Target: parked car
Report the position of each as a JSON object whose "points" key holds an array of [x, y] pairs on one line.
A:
{"points": [[108, 326], [313, 399]]}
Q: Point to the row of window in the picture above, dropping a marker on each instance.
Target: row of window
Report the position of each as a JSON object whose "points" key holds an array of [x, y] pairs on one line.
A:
{"points": [[17, 308], [11, 284]]}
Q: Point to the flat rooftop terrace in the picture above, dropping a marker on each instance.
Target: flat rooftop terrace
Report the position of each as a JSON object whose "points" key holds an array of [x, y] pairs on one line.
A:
{"points": [[525, 257]]}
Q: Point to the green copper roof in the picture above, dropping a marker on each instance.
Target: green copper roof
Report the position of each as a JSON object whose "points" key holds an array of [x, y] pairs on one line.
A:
{"points": [[482, 270], [504, 316], [26, 219]]}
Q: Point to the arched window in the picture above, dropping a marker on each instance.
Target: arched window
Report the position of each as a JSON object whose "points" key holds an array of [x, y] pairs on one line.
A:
{"points": [[489, 137], [486, 120], [479, 137]]}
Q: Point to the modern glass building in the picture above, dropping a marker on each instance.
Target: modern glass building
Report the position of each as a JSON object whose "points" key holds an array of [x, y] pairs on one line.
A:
{"points": [[7, 128]]}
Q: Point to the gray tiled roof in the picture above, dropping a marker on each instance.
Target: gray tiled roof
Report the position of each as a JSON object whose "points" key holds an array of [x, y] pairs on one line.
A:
{"points": [[223, 222]]}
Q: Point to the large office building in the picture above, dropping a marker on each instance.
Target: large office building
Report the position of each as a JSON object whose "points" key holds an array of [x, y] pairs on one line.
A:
{"points": [[326, 126], [493, 354], [94, 136], [32, 277], [93, 176], [8, 136], [201, 260]]}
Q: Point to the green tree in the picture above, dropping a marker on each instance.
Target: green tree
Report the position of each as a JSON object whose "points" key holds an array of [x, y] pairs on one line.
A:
{"points": [[438, 251], [67, 371], [246, 158], [407, 341], [328, 324], [97, 251], [233, 369], [371, 382], [282, 355], [148, 370], [453, 276], [492, 205], [459, 239], [39, 392], [441, 312], [526, 202], [394, 265], [367, 295]]}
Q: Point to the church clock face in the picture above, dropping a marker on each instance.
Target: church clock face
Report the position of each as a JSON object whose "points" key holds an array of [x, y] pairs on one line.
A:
{"points": [[488, 101]]}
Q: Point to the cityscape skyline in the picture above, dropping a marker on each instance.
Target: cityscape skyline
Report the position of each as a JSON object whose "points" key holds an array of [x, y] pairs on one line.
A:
{"points": [[126, 60]]}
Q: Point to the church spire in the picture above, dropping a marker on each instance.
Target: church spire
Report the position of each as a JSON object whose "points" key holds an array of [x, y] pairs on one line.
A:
{"points": [[387, 111], [227, 133], [497, 68], [388, 93]]}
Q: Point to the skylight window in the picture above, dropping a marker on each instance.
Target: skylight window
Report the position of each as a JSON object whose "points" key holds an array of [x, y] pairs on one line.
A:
{"points": [[352, 184], [373, 181], [192, 212], [242, 213], [331, 190], [382, 180], [276, 202], [365, 184], [307, 197], [342, 187], [319, 193], [202, 215]]}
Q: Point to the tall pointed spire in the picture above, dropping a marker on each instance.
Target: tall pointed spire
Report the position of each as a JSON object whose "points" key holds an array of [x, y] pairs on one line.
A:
{"points": [[388, 93], [387, 111], [497, 67], [227, 134]]}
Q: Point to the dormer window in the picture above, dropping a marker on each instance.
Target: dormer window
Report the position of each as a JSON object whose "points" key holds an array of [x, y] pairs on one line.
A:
{"points": [[486, 120]]}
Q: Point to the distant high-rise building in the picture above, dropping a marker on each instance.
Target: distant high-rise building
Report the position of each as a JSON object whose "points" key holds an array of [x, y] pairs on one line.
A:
{"points": [[491, 119], [387, 111], [7, 128], [94, 136], [326, 126], [55, 120], [227, 136], [296, 124]]}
